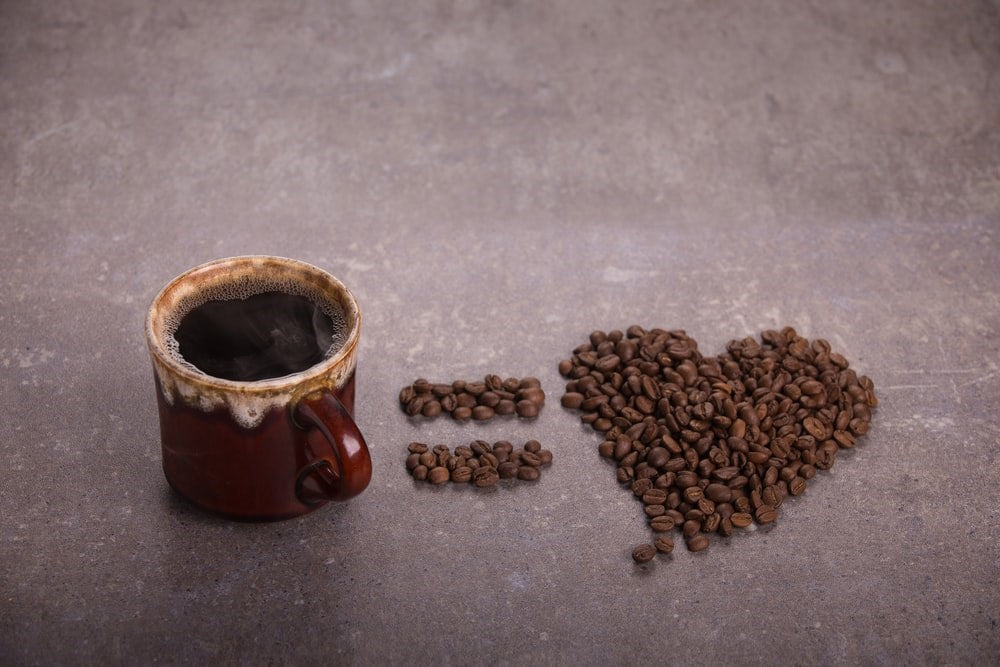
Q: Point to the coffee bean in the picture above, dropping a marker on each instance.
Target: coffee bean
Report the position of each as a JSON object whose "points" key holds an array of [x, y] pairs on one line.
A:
{"points": [[488, 398], [693, 494], [664, 544], [797, 486], [461, 474], [662, 523], [527, 473], [697, 543], [765, 514], [485, 476], [438, 475], [526, 409], [643, 553], [719, 493], [507, 470], [461, 413], [533, 394], [420, 473], [546, 456], [431, 409], [412, 461], [531, 459], [482, 413], [654, 497]]}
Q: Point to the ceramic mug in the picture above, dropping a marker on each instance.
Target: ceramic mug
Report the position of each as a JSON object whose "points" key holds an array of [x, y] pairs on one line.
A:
{"points": [[265, 448]]}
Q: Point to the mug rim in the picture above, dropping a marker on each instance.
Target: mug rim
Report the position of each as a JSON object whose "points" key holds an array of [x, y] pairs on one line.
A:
{"points": [[317, 371]]}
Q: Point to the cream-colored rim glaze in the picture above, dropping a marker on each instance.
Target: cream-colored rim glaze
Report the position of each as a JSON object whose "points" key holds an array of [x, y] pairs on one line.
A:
{"points": [[248, 402]]}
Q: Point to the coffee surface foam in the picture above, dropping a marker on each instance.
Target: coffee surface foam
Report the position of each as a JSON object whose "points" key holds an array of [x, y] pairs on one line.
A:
{"points": [[241, 288]]}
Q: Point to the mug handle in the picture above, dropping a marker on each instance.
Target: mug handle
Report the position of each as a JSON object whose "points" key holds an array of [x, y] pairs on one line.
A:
{"points": [[348, 471]]}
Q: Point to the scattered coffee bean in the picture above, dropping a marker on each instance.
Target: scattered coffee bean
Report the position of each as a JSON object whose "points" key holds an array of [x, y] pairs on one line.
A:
{"points": [[643, 553], [476, 400], [697, 543], [664, 545], [714, 443]]}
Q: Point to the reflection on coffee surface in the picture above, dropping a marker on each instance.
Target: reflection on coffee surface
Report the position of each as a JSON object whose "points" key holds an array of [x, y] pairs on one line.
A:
{"points": [[263, 336]]}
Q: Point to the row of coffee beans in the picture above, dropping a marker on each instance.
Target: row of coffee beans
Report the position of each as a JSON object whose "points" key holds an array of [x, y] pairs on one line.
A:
{"points": [[479, 463], [476, 400], [712, 444]]}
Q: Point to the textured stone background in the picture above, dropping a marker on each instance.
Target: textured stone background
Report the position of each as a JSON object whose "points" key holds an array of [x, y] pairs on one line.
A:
{"points": [[494, 180]]}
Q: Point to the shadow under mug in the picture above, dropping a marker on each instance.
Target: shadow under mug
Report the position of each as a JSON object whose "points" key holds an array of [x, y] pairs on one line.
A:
{"points": [[266, 449]]}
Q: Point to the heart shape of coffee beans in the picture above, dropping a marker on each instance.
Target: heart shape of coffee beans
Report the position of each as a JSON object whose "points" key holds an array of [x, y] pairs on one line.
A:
{"points": [[712, 444]]}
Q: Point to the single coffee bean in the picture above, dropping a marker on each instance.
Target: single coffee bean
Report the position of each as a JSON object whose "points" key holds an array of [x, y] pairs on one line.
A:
{"points": [[438, 475], [482, 413], [697, 543], [531, 459], [485, 477], [797, 486], [431, 409], [662, 523], [654, 497], [488, 398], [771, 496], [546, 456], [765, 514], [420, 473], [528, 473], [643, 553], [693, 494], [710, 523], [502, 446], [507, 470], [532, 446], [461, 413], [412, 461], [719, 493], [417, 447], [664, 544], [526, 409], [461, 474], [533, 394], [654, 510], [741, 519]]}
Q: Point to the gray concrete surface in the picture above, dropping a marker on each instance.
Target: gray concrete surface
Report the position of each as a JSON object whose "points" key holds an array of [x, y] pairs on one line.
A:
{"points": [[494, 180]]}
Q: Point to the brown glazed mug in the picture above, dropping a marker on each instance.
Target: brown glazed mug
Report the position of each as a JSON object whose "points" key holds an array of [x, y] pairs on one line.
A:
{"points": [[262, 449]]}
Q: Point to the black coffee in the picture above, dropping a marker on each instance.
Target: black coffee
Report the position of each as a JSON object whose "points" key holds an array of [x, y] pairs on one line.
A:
{"points": [[266, 335]]}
